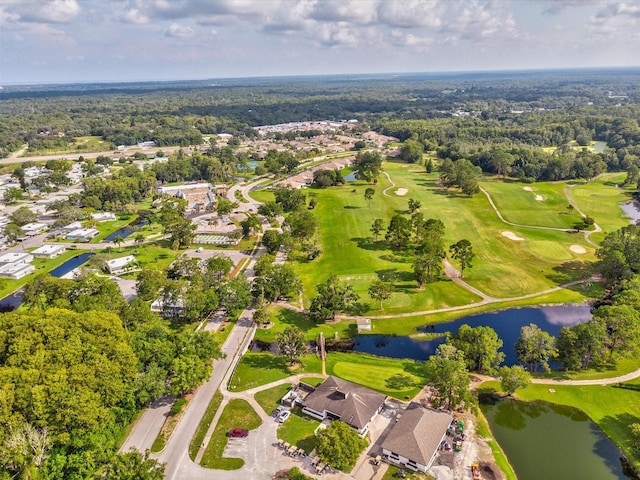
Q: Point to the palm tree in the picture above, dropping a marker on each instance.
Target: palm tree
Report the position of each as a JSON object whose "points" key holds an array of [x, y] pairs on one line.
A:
{"points": [[118, 240]]}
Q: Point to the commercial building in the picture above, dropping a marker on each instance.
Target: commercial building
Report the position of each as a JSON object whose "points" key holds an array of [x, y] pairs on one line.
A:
{"points": [[199, 196], [414, 439]]}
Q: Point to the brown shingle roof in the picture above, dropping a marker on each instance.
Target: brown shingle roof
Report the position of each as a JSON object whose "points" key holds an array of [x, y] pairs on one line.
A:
{"points": [[353, 403], [417, 433]]}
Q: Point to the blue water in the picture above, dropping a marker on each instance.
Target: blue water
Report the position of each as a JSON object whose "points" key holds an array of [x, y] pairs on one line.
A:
{"points": [[70, 264], [350, 177], [125, 232], [506, 323]]}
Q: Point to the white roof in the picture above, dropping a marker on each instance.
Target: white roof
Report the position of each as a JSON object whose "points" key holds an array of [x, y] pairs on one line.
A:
{"points": [[44, 249], [103, 216], [120, 262], [73, 226], [83, 232], [14, 257], [32, 227], [11, 268]]}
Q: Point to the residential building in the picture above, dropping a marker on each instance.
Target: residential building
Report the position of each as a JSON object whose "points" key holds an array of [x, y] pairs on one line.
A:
{"points": [[16, 271], [338, 399], [414, 439], [31, 229], [119, 265], [82, 234], [72, 226], [103, 216], [170, 310], [199, 196], [15, 257], [49, 251]]}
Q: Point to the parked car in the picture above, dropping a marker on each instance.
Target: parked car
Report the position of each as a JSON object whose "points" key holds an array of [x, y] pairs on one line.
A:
{"points": [[283, 416], [278, 411], [238, 432]]}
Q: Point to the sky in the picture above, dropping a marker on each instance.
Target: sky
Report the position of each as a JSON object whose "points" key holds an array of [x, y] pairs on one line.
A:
{"points": [[61, 41]]}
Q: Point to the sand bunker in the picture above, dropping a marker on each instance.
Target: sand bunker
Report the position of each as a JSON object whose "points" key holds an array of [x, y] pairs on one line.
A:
{"points": [[539, 198], [512, 236], [401, 192], [578, 249], [527, 189]]}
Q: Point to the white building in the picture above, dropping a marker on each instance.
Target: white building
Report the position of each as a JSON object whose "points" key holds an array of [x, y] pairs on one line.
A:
{"points": [[82, 234], [103, 216], [16, 271], [119, 265], [199, 196], [15, 257], [170, 310], [31, 229], [72, 226], [48, 251]]}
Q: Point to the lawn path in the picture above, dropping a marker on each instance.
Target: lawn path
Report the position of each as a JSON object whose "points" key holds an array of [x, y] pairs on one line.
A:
{"points": [[596, 227], [384, 192], [548, 381]]}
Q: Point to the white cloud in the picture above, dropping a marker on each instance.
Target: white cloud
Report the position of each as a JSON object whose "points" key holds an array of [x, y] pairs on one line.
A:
{"points": [[49, 11], [412, 13], [403, 39], [179, 31], [360, 12], [333, 35], [135, 16]]}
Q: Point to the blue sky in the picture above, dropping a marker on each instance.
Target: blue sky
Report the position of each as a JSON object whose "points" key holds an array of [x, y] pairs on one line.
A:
{"points": [[45, 41]]}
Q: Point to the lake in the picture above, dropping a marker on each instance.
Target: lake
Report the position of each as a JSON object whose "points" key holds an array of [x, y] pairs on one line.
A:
{"points": [[547, 441], [506, 323], [127, 231], [631, 210], [70, 264]]}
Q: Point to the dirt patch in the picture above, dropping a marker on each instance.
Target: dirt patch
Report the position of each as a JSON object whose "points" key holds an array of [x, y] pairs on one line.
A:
{"points": [[527, 189], [578, 249], [512, 236], [401, 192], [539, 198]]}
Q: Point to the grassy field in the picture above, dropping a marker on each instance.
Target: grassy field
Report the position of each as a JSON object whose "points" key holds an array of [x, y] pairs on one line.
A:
{"points": [[282, 318], [257, 369], [269, 399], [612, 408], [236, 414], [204, 425], [86, 144], [299, 430], [541, 261]]}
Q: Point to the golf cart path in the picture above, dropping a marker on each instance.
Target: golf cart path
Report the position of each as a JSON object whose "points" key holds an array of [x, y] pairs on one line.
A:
{"points": [[595, 381]]}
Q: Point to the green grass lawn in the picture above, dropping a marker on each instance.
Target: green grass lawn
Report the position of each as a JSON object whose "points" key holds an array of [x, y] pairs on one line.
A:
{"points": [[257, 369], [282, 318], [299, 430], [502, 268], [612, 408], [86, 144], [269, 399], [482, 429], [236, 414], [204, 425], [263, 195]]}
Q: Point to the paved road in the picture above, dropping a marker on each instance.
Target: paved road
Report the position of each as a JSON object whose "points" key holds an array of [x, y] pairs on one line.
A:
{"points": [[127, 152]]}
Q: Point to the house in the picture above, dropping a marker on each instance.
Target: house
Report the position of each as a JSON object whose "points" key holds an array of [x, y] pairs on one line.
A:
{"points": [[338, 399], [414, 439], [16, 271], [31, 229], [199, 196], [363, 324], [49, 251], [82, 234], [72, 226], [15, 257], [169, 310], [103, 216], [119, 265]]}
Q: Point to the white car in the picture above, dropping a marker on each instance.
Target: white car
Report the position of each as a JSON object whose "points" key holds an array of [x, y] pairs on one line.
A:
{"points": [[283, 416]]}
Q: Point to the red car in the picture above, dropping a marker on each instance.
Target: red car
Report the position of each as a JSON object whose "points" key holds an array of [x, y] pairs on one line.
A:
{"points": [[238, 432]]}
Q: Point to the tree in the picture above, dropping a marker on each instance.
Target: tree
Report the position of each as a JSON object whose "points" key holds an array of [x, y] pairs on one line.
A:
{"points": [[414, 205], [581, 345], [411, 151], [447, 372], [513, 378], [463, 253], [333, 297], [23, 215], [133, 465], [13, 232], [289, 198], [480, 346], [535, 347], [368, 194], [368, 166], [150, 283], [302, 224], [502, 161], [270, 209], [339, 445], [251, 225], [225, 206], [12, 195], [118, 240], [380, 291], [291, 344], [276, 281], [171, 217], [427, 267], [620, 322], [217, 267], [467, 177], [376, 228], [399, 231]]}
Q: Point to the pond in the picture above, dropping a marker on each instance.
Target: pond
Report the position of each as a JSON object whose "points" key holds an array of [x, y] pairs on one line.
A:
{"points": [[506, 323], [351, 177], [70, 264], [631, 210], [599, 146], [124, 232], [547, 441]]}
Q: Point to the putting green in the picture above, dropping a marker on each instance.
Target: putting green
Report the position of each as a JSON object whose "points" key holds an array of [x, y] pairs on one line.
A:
{"points": [[373, 376]]}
